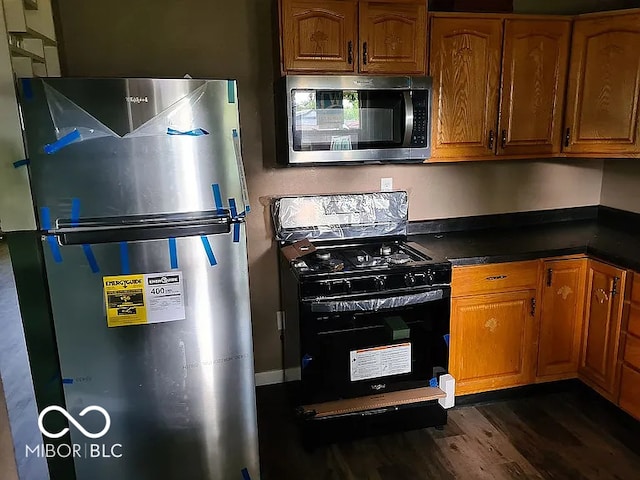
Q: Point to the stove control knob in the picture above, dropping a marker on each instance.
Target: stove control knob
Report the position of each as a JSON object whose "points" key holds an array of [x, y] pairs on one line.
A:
{"points": [[347, 286], [430, 277], [327, 287], [379, 282], [409, 280]]}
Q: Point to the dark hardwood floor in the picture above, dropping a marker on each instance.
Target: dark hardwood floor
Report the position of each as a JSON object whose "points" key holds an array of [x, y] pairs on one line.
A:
{"points": [[570, 434]]}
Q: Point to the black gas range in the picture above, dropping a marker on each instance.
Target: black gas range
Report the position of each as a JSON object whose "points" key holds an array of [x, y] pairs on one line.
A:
{"points": [[366, 311]]}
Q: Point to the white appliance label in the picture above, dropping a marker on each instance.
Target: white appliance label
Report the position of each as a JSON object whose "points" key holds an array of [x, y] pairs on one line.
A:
{"points": [[380, 361], [165, 297]]}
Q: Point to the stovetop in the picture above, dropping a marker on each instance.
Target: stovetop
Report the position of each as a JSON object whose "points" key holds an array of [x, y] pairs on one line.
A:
{"points": [[359, 257], [367, 267]]}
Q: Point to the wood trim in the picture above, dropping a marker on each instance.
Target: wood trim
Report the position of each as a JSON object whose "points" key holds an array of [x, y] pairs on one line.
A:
{"points": [[584, 156], [359, 404], [610, 13], [500, 16]]}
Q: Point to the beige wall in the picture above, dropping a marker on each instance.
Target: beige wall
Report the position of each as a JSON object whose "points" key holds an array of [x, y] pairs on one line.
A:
{"points": [[234, 39], [621, 184]]}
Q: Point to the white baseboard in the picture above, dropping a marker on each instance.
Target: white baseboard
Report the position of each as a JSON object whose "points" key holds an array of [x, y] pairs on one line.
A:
{"points": [[272, 377]]}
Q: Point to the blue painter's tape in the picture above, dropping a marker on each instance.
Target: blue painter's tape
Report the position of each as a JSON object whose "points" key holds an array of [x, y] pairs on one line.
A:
{"points": [[75, 212], [433, 383], [191, 133], [247, 209], [231, 91], [26, 88], [124, 258], [55, 248], [446, 339], [245, 474], [233, 207], [45, 221], [91, 258], [173, 253], [21, 163], [209, 251], [45, 218], [217, 197], [234, 214], [68, 381], [306, 360], [68, 139]]}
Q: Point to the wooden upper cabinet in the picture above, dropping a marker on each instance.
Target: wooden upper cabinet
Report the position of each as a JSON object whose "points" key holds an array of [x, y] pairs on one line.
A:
{"points": [[393, 38], [534, 73], [465, 66], [602, 326], [561, 315], [604, 78], [319, 36]]}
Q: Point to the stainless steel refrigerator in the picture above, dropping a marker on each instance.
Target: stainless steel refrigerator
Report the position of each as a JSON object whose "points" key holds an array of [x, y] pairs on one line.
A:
{"points": [[141, 201]]}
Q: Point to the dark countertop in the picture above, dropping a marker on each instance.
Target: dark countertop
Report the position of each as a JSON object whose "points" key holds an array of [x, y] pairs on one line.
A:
{"points": [[614, 241]]}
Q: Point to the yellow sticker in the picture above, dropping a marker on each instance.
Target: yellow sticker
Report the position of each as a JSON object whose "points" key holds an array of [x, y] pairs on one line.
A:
{"points": [[125, 299]]}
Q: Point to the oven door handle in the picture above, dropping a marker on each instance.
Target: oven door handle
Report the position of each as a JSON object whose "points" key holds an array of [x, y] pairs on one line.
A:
{"points": [[375, 304]]}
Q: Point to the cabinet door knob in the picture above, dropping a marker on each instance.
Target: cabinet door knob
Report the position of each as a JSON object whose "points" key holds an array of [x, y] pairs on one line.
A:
{"points": [[350, 52], [364, 53]]}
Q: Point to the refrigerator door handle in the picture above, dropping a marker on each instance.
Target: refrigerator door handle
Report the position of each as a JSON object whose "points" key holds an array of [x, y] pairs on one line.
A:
{"points": [[148, 231]]}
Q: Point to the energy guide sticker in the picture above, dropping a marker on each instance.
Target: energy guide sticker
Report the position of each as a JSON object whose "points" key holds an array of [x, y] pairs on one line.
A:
{"points": [[142, 299]]}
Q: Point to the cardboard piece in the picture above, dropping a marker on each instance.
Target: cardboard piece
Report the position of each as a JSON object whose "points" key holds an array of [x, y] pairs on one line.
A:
{"points": [[371, 402], [298, 249]]}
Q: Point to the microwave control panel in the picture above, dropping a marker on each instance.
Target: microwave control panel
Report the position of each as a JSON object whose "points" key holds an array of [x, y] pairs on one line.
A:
{"points": [[420, 109]]}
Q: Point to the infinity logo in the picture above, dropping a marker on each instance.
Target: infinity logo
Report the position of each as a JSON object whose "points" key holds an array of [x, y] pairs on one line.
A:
{"points": [[91, 408]]}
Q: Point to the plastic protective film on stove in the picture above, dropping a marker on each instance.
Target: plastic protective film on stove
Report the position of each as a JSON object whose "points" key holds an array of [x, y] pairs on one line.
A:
{"points": [[375, 304], [375, 214]]}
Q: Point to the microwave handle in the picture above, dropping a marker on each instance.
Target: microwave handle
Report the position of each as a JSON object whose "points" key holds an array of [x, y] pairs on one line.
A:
{"points": [[408, 118]]}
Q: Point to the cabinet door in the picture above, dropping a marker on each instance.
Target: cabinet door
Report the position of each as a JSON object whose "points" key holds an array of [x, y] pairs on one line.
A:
{"points": [[491, 341], [534, 74], [319, 36], [393, 38], [604, 78], [465, 66], [561, 315], [603, 318]]}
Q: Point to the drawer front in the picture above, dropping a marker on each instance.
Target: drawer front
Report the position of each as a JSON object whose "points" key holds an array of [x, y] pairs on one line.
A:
{"points": [[496, 277], [635, 292], [632, 351], [630, 391], [634, 320]]}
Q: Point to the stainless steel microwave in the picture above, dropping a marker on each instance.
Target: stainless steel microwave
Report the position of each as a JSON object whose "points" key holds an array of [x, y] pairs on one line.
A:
{"points": [[354, 119]]}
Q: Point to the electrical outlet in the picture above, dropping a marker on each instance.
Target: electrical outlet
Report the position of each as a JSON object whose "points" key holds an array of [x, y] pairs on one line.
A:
{"points": [[280, 323], [386, 184]]}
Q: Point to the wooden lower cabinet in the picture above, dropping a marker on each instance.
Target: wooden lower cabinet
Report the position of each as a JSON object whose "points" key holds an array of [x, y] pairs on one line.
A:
{"points": [[602, 327], [492, 338], [561, 315], [630, 391]]}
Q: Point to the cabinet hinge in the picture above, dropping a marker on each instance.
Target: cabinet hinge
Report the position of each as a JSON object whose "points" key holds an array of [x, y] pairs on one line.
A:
{"points": [[533, 307], [549, 277], [614, 290]]}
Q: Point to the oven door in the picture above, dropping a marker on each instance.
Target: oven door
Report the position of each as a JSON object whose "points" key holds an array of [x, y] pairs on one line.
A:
{"points": [[336, 120], [362, 345]]}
